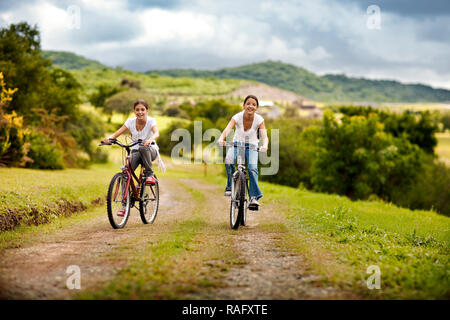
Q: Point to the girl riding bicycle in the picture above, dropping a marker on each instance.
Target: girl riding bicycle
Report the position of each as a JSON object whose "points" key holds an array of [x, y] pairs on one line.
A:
{"points": [[142, 127], [247, 123]]}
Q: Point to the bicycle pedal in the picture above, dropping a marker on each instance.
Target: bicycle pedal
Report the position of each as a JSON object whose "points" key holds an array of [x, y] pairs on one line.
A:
{"points": [[253, 208]]}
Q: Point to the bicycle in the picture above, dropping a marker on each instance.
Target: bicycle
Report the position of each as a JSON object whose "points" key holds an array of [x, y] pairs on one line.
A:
{"points": [[239, 190], [123, 193]]}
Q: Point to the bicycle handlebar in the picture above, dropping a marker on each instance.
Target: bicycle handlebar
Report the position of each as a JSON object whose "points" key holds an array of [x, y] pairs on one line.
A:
{"points": [[114, 141], [235, 145]]}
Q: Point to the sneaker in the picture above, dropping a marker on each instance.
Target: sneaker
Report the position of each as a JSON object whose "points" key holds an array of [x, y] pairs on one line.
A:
{"points": [[121, 213], [150, 180], [227, 192], [254, 204]]}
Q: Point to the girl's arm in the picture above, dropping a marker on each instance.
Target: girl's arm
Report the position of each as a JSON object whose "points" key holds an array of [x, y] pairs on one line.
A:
{"points": [[115, 134], [225, 132], [265, 139], [154, 137]]}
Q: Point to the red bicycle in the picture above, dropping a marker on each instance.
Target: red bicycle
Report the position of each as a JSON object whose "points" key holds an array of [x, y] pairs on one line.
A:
{"points": [[126, 189]]}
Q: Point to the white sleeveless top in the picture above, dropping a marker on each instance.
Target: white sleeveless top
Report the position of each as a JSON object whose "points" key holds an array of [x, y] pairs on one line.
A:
{"points": [[145, 134], [249, 136]]}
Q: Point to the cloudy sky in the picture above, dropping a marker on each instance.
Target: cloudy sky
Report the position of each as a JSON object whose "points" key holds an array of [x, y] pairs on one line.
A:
{"points": [[405, 40]]}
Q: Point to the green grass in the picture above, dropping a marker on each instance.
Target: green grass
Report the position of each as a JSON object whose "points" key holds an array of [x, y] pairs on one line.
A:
{"points": [[155, 84], [28, 234], [338, 238], [410, 247], [29, 196]]}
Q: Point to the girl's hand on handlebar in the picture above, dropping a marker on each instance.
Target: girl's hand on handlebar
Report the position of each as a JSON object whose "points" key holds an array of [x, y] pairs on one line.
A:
{"points": [[147, 142], [106, 141], [220, 142]]}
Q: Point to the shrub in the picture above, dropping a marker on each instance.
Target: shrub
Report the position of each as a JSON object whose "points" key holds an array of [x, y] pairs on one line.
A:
{"points": [[296, 151], [431, 190], [419, 130], [445, 120], [12, 147], [357, 158], [44, 152]]}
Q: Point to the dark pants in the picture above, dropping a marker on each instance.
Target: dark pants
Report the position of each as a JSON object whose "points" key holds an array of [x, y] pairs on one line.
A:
{"points": [[143, 156]]}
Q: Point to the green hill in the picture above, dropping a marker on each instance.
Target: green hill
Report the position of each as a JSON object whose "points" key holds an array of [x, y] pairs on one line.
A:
{"points": [[330, 87], [323, 88], [71, 61]]}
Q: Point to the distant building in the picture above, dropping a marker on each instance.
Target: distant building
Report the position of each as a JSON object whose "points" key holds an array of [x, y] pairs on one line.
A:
{"points": [[308, 108]]}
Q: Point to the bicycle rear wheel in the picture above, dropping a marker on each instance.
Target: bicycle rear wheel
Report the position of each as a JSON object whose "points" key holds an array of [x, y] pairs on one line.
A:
{"points": [[237, 200], [149, 202], [118, 206]]}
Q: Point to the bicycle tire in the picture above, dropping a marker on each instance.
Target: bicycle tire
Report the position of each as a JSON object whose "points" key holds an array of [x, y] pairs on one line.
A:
{"points": [[111, 201], [143, 206], [246, 200], [237, 196]]}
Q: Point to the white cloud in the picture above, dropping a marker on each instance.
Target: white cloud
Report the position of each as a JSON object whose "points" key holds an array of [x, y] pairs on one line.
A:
{"points": [[322, 36]]}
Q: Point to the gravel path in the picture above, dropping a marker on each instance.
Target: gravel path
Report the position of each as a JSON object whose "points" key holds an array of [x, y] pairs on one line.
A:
{"points": [[37, 270]]}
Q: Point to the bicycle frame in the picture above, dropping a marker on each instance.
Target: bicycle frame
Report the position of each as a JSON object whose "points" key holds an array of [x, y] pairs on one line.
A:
{"points": [[131, 175], [128, 171]]}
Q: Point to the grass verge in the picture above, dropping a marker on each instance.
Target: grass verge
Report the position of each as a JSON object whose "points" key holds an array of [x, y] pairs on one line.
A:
{"points": [[31, 197], [341, 239]]}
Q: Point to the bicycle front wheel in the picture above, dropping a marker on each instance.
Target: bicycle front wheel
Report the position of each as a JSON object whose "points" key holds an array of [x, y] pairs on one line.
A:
{"points": [[237, 200], [117, 203], [149, 202], [246, 201]]}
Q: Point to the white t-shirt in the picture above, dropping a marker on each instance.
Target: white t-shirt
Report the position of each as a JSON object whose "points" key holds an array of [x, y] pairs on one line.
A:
{"points": [[145, 134], [249, 136]]}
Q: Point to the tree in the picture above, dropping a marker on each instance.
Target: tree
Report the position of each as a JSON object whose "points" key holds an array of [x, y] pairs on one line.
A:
{"points": [[419, 130], [122, 102], [358, 158], [98, 98], [22, 64], [47, 98], [13, 149], [297, 143], [445, 119]]}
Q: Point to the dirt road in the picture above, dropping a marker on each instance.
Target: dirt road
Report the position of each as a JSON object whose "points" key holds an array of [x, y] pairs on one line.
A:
{"points": [[265, 270]]}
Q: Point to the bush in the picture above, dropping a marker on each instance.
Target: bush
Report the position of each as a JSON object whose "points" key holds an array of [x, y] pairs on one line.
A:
{"points": [[431, 190], [296, 151], [84, 129], [445, 120], [13, 149], [44, 153], [357, 158], [175, 112], [419, 130]]}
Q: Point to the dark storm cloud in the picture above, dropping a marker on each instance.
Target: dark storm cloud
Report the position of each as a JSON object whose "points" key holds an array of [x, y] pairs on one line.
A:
{"points": [[97, 27]]}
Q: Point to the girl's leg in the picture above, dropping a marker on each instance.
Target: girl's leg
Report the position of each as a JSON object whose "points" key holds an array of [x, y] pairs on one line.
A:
{"points": [[135, 160], [147, 154], [229, 166], [253, 188]]}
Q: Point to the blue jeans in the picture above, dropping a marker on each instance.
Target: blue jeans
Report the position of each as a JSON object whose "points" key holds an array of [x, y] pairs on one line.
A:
{"points": [[251, 159]]}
